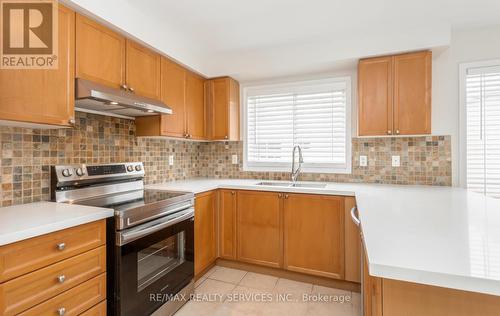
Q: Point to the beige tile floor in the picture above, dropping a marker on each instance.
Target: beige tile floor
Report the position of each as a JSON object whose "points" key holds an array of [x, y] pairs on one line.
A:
{"points": [[224, 291]]}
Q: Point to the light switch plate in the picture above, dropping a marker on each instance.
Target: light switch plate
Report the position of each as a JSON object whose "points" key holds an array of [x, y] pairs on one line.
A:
{"points": [[396, 161], [234, 159], [363, 161], [171, 160]]}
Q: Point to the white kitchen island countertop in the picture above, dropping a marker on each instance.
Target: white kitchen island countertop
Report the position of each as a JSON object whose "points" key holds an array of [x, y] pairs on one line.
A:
{"points": [[19, 222], [441, 236]]}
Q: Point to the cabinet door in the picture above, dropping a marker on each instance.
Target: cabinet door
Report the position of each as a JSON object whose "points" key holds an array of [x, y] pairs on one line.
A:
{"points": [[43, 96], [259, 228], [220, 111], [173, 94], [143, 70], [205, 247], [372, 293], [375, 96], [195, 106], [412, 93], [227, 224], [314, 234], [100, 53]]}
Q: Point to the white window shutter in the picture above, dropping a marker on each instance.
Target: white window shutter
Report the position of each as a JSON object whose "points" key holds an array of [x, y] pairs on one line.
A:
{"points": [[314, 116], [483, 129]]}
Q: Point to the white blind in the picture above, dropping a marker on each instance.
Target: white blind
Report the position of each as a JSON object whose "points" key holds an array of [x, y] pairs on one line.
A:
{"points": [[312, 116], [483, 129]]}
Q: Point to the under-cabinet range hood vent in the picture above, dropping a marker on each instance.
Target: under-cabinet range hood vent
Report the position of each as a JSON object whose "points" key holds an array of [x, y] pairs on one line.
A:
{"points": [[97, 98]]}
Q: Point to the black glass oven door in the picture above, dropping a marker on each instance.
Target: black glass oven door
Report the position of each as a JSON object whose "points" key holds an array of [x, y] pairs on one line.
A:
{"points": [[154, 267]]}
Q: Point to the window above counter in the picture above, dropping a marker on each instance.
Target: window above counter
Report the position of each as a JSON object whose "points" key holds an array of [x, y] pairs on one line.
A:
{"points": [[313, 114]]}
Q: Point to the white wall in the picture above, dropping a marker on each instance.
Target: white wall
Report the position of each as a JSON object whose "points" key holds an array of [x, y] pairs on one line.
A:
{"points": [[466, 46]]}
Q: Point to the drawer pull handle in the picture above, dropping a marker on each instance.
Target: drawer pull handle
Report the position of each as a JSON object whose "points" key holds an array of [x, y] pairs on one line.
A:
{"points": [[61, 311], [61, 246], [61, 278]]}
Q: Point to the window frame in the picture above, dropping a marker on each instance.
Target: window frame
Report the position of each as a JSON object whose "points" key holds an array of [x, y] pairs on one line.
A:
{"points": [[462, 141], [303, 85]]}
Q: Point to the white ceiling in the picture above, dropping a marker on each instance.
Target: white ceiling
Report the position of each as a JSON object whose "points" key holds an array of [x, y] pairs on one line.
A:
{"points": [[260, 39]]}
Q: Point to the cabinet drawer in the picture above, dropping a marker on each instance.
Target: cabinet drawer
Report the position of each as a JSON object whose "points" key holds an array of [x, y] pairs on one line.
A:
{"points": [[98, 310], [74, 301], [30, 289], [38, 252]]}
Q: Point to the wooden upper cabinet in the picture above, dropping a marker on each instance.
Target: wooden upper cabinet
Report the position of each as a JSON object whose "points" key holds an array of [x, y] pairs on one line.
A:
{"points": [[412, 93], [183, 91], [205, 237], [395, 95], [223, 99], [227, 224], [173, 94], [375, 96], [100, 53], [195, 106], [259, 228], [314, 234], [43, 96], [143, 71]]}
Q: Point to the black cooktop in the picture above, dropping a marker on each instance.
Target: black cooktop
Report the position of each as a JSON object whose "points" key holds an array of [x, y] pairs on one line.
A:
{"points": [[130, 199]]}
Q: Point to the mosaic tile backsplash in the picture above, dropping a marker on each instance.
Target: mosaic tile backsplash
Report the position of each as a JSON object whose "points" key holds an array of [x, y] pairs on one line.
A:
{"points": [[27, 154], [425, 160]]}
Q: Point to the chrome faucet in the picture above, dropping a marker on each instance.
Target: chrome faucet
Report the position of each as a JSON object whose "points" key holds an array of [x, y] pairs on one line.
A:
{"points": [[295, 172]]}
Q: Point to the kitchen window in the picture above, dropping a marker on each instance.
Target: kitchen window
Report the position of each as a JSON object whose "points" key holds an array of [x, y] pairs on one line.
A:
{"points": [[480, 126], [312, 114]]}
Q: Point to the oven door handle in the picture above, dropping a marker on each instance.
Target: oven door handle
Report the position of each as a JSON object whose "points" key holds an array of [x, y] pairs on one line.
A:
{"points": [[123, 238]]}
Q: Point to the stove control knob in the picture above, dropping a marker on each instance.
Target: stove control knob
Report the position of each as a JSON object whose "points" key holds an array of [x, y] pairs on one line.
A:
{"points": [[67, 172], [80, 172], [130, 168], [138, 168]]}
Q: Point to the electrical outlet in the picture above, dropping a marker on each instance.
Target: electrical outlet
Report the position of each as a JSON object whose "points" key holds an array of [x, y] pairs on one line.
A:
{"points": [[234, 159], [363, 161], [171, 160], [396, 161]]}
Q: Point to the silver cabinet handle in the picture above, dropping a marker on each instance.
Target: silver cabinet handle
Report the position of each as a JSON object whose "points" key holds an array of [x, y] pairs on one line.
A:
{"points": [[397, 131], [124, 87], [354, 218], [131, 89], [61, 246], [61, 278], [61, 311], [389, 132]]}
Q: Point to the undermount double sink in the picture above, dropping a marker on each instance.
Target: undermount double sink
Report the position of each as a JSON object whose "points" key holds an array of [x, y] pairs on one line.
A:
{"points": [[292, 185]]}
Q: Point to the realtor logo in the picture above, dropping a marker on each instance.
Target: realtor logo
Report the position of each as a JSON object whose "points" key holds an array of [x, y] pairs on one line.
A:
{"points": [[29, 34]]}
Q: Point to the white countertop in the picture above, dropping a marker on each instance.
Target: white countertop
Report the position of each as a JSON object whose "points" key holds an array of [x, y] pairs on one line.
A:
{"points": [[440, 236], [24, 221]]}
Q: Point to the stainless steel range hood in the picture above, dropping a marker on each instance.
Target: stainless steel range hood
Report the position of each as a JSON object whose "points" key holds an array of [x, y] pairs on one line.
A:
{"points": [[97, 98]]}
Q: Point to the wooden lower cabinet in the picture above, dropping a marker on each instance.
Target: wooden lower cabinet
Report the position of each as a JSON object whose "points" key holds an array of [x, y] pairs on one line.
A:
{"points": [[411, 299], [34, 253], [73, 302], [98, 310], [36, 287], [227, 224], [205, 238], [260, 228], [60, 273], [314, 234], [372, 293]]}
